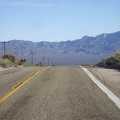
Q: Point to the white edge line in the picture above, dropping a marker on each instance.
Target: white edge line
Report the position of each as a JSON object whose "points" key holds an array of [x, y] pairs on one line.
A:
{"points": [[109, 93]]}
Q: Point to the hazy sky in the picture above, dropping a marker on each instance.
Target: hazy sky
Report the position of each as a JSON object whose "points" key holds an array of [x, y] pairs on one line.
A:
{"points": [[57, 20]]}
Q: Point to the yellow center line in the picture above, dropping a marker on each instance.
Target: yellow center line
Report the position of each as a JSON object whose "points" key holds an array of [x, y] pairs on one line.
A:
{"points": [[16, 85], [19, 85]]}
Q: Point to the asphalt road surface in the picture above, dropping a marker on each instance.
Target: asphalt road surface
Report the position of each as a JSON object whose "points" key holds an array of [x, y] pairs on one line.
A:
{"points": [[56, 93]]}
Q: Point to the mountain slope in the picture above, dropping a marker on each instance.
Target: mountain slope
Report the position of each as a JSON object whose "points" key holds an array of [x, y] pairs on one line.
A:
{"points": [[104, 43]]}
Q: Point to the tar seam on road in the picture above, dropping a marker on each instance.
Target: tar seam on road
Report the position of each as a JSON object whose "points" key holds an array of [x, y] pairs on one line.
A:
{"points": [[109, 93], [19, 85]]}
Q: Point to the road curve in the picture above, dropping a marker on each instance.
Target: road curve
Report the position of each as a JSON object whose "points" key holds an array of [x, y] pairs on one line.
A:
{"points": [[59, 93]]}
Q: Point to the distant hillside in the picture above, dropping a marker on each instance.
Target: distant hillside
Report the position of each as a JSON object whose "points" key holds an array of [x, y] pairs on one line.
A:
{"points": [[101, 44]]}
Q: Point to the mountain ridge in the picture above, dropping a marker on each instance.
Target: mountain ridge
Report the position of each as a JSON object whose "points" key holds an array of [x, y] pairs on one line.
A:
{"points": [[102, 43]]}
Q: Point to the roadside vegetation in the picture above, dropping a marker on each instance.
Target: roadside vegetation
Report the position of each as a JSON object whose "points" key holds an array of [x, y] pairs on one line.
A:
{"points": [[112, 61], [9, 60]]}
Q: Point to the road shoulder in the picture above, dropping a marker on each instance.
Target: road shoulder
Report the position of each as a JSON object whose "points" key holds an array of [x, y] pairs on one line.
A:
{"points": [[109, 77]]}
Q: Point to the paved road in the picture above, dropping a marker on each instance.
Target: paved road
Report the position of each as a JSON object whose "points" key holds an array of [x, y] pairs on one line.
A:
{"points": [[59, 93], [10, 77]]}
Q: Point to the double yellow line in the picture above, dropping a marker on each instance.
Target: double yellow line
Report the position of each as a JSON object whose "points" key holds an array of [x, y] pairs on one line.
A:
{"points": [[19, 85]]}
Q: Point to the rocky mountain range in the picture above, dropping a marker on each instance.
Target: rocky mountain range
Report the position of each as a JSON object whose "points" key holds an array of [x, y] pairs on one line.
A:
{"points": [[100, 44]]}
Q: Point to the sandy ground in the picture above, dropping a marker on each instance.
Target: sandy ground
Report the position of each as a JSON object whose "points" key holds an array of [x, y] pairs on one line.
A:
{"points": [[109, 77], [3, 69]]}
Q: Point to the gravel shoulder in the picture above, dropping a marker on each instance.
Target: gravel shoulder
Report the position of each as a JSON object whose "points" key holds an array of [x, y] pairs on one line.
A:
{"points": [[109, 77]]}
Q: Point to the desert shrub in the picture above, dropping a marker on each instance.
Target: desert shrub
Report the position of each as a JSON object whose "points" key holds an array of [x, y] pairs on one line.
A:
{"points": [[9, 57], [9, 60], [22, 61], [5, 63], [113, 60]]}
